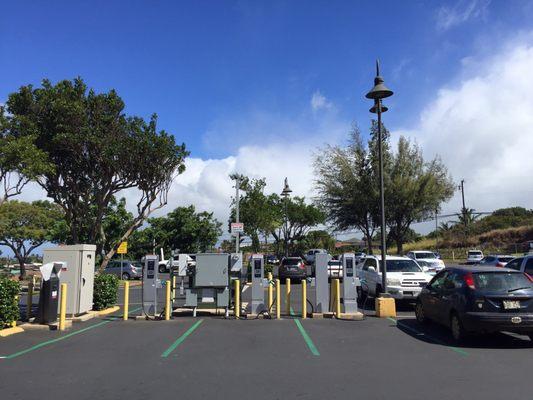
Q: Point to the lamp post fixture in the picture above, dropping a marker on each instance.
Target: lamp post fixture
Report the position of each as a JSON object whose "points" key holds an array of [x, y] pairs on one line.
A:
{"points": [[285, 193], [377, 93]]}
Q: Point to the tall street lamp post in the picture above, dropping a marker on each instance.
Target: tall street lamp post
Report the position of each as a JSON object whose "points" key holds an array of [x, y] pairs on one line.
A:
{"points": [[377, 93], [285, 193]]}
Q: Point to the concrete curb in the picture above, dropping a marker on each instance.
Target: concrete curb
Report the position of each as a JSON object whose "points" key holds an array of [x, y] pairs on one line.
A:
{"points": [[107, 311], [10, 331]]}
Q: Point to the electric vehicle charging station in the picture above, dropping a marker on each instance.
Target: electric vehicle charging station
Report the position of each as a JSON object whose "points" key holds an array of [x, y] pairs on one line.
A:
{"points": [[259, 283], [349, 283], [321, 283], [151, 283]]}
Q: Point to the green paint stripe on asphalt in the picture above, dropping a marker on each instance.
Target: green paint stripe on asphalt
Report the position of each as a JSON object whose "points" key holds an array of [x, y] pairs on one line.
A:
{"points": [[48, 342], [456, 349], [181, 339], [306, 336]]}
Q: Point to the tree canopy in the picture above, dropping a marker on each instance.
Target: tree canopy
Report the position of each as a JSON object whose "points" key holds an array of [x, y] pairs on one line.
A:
{"points": [[96, 151], [26, 226]]}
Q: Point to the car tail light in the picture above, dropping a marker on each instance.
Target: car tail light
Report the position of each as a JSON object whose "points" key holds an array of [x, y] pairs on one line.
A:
{"points": [[469, 280], [301, 265], [500, 264]]}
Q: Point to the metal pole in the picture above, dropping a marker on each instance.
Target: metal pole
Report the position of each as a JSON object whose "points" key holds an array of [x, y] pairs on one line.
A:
{"points": [[382, 200], [126, 300], [237, 211], [121, 262], [286, 230], [237, 310], [436, 230]]}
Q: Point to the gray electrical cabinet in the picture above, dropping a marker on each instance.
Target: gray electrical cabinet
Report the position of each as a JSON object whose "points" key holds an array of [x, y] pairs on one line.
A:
{"points": [[78, 274], [349, 283]]}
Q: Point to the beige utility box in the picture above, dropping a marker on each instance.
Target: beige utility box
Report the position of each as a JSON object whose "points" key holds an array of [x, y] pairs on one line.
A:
{"points": [[78, 274]]}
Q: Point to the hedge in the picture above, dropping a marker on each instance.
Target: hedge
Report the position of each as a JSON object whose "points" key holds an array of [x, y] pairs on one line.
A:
{"points": [[105, 291], [9, 306]]}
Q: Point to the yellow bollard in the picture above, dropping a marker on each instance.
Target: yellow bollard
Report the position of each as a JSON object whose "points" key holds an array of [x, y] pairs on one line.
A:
{"points": [[237, 298], [337, 299], [288, 295], [63, 307], [29, 301], [270, 292], [126, 299], [304, 299], [278, 299], [167, 301]]}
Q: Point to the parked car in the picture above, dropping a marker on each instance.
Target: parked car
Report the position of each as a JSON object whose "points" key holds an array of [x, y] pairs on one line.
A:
{"points": [[293, 268], [129, 270], [434, 263], [478, 300], [495, 260], [474, 256], [522, 264], [271, 259], [310, 255], [335, 269], [405, 278]]}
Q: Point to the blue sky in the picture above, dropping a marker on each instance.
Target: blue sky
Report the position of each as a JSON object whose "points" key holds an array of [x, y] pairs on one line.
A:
{"points": [[248, 84]]}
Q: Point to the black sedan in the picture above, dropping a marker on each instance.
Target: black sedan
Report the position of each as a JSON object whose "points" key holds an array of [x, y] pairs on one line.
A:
{"points": [[478, 300]]}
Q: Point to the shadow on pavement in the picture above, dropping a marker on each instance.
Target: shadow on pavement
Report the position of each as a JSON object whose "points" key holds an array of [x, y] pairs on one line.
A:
{"points": [[437, 334]]}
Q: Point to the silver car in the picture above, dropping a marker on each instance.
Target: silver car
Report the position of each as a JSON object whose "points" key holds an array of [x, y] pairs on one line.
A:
{"points": [[495, 260], [129, 270]]}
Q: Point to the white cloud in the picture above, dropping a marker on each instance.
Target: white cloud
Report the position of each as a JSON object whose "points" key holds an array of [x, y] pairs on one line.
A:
{"points": [[483, 129], [319, 102], [461, 12]]}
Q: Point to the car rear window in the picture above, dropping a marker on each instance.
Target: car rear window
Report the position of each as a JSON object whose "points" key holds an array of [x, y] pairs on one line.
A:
{"points": [[425, 255], [291, 261], [475, 253], [334, 262], [401, 266], [501, 281], [505, 259]]}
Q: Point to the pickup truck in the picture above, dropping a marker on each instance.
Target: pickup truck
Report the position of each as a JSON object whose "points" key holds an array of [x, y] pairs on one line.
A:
{"points": [[405, 278]]}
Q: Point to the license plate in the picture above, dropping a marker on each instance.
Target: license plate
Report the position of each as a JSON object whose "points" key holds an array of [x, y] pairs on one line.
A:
{"points": [[511, 304]]}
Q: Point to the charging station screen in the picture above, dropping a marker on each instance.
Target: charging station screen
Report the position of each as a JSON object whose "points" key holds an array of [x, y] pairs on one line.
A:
{"points": [[151, 267], [349, 267], [257, 268]]}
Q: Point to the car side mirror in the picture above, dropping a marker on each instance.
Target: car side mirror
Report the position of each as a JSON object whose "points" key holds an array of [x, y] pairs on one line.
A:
{"points": [[372, 269], [425, 269]]}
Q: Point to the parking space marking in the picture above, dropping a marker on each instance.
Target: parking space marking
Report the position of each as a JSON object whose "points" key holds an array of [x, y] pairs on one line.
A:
{"points": [[306, 336], [432, 338], [181, 339], [48, 342]]}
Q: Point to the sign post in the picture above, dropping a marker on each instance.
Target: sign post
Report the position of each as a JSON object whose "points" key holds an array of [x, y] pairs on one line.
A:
{"points": [[122, 249]]}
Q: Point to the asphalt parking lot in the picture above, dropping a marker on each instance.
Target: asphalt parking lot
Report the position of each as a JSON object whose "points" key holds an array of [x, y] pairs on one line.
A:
{"points": [[213, 357]]}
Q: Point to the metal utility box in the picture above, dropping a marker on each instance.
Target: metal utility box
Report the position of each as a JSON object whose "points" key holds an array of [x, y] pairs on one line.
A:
{"points": [[211, 270], [321, 283], [78, 274]]}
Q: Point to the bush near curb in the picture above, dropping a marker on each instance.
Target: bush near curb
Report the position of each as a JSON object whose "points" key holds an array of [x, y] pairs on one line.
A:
{"points": [[9, 307], [105, 291]]}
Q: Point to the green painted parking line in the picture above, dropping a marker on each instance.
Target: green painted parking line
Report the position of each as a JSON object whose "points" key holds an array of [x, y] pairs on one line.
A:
{"points": [[48, 342], [181, 339], [306, 336], [434, 339]]}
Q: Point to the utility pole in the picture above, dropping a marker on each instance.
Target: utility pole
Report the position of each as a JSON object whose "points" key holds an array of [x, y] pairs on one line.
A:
{"points": [[436, 229], [237, 216], [462, 188]]}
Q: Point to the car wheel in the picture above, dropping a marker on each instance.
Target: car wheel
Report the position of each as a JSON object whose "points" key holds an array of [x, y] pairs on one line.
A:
{"points": [[530, 335], [126, 276], [361, 295], [378, 291], [162, 269], [458, 332], [420, 314]]}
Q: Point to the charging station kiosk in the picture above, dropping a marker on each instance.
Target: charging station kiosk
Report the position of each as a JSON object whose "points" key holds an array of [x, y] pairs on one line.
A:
{"points": [[151, 283], [349, 283], [49, 294], [321, 283], [257, 304]]}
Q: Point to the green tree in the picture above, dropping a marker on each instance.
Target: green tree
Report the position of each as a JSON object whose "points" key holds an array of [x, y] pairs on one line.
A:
{"points": [[347, 189], [319, 239], [26, 226], [415, 189], [96, 151], [185, 229]]}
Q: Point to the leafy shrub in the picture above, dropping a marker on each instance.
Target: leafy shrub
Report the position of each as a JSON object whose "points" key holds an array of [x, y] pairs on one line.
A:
{"points": [[9, 307], [105, 291]]}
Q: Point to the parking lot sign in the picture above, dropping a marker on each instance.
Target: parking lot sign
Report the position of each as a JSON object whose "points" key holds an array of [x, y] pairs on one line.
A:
{"points": [[237, 227], [123, 248]]}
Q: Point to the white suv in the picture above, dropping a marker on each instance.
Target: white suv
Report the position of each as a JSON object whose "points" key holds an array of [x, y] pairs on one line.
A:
{"points": [[428, 258], [405, 278], [474, 256]]}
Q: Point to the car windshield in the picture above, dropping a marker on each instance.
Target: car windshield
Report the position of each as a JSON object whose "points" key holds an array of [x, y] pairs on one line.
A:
{"points": [[501, 281], [401, 266], [426, 254], [291, 261]]}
